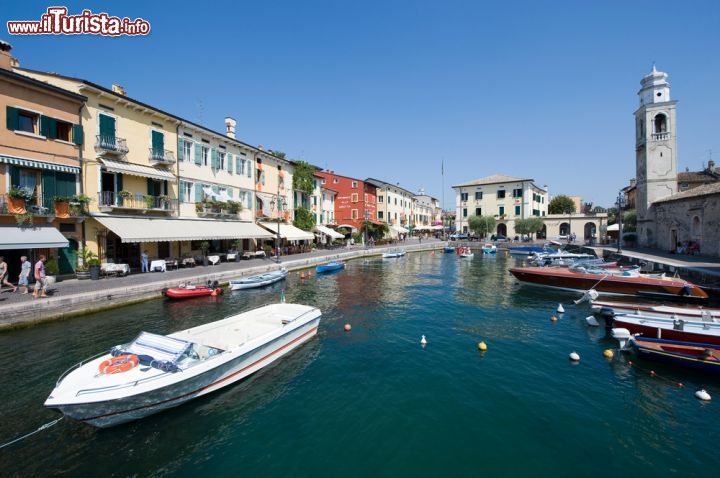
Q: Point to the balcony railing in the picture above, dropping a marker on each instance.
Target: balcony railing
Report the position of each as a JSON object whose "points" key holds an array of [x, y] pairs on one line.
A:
{"points": [[162, 156], [108, 200], [660, 136], [111, 144], [40, 206]]}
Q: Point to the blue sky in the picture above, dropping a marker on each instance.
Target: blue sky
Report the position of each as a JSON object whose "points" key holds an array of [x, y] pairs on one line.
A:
{"points": [[389, 89]]}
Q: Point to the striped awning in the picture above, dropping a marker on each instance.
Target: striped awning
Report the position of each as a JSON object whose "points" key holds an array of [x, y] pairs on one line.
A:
{"points": [[32, 163], [124, 167]]}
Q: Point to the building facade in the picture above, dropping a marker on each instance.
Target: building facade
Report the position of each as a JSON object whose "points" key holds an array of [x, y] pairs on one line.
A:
{"points": [[355, 201], [395, 206]]}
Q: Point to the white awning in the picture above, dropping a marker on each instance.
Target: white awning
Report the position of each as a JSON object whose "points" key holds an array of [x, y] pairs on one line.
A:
{"points": [[288, 231], [146, 229], [399, 229], [16, 237], [123, 167], [329, 232], [613, 227]]}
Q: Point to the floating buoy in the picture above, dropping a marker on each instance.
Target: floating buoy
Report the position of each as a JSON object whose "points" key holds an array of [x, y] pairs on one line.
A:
{"points": [[553, 318], [560, 309], [348, 327], [652, 373], [482, 346], [681, 385], [423, 341], [574, 357], [702, 395], [608, 353]]}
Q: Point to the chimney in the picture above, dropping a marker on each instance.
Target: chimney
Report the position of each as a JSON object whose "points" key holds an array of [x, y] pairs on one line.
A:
{"points": [[118, 89], [230, 127], [633, 181], [711, 165], [7, 62], [260, 147]]}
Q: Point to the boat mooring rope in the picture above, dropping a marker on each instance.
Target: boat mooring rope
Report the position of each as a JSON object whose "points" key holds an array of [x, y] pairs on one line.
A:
{"points": [[42, 427]]}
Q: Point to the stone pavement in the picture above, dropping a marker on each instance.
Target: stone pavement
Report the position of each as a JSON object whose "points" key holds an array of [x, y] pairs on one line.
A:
{"points": [[703, 264], [74, 297]]}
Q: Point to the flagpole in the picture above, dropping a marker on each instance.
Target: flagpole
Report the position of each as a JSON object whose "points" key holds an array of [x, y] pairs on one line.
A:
{"points": [[442, 204]]}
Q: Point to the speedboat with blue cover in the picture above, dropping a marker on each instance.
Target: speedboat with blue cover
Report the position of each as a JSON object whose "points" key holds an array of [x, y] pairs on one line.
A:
{"points": [[394, 254], [330, 266], [155, 372], [259, 280]]}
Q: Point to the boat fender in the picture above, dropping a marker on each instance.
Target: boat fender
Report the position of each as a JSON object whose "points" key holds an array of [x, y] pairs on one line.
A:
{"points": [[608, 353], [702, 395], [423, 341], [560, 309], [574, 356], [482, 346]]}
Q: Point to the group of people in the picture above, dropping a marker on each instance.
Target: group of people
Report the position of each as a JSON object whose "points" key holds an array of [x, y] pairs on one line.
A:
{"points": [[24, 277]]}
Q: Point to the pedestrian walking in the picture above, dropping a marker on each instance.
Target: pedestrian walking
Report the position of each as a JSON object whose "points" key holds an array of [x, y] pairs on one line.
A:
{"points": [[144, 258], [40, 278], [24, 277], [4, 275]]}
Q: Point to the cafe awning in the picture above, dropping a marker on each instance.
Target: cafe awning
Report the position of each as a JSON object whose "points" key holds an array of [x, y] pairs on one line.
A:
{"points": [[138, 229], [288, 231], [329, 232], [16, 237], [124, 167], [399, 229], [31, 163]]}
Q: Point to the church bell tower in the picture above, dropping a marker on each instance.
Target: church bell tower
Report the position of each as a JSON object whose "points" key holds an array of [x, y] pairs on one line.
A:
{"points": [[655, 148]]}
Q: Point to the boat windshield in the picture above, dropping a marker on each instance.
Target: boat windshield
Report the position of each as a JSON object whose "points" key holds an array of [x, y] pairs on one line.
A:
{"points": [[159, 347]]}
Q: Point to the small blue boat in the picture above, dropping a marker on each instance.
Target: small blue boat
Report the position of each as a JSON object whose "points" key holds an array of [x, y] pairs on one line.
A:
{"points": [[330, 267], [489, 249], [449, 249], [703, 357]]}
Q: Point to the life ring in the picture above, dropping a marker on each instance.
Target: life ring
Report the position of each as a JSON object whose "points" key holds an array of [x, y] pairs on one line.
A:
{"points": [[119, 364]]}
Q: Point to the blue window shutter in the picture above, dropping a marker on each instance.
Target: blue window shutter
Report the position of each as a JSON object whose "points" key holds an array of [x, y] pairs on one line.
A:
{"points": [[229, 192], [230, 163], [215, 189], [214, 158], [198, 154], [248, 164], [238, 170], [198, 192], [182, 191], [181, 149], [77, 134], [11, 118]]}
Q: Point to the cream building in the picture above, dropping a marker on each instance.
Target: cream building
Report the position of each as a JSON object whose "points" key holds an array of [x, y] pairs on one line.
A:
{"points": [[394, 205], [327, 206], [428, 209]]}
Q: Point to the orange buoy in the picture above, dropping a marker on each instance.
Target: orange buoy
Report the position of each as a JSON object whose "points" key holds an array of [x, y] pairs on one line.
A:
{"points": [[348, 327], [119, 364], [553, 318], [302, 275]]}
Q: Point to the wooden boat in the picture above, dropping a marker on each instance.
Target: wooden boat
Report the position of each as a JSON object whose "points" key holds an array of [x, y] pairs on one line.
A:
{"points": [[562, 278], [192, 291], [156, 372], [489, 248], [551, 258], [394, 254], [259, 280], [699, 356], [701, 330], [330, 266], [687, 312]]}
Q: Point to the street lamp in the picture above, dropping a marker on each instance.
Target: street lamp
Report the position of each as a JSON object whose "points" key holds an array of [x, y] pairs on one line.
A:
{"points": [[367, 218], [280, 204], [620, 204]]}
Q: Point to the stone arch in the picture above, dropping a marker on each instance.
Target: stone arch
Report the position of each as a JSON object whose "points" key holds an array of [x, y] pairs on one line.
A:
{"points": [[696, 227], [502, 230], [590, 230], [660, 123], [565, 229]]}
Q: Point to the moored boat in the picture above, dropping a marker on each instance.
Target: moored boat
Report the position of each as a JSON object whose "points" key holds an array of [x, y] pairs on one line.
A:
{"points": [[187, 291], [526, 250], [489, 248], [330, 266], [156, 372], [562, 278], [704, 330], [259, 280], [448, 249], [465, 252], [394, 254], [699, 356], [687, 312]]}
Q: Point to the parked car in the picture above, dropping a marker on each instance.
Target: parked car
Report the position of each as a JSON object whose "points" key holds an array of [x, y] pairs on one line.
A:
{"points": [[499, 238], [458, 237]]}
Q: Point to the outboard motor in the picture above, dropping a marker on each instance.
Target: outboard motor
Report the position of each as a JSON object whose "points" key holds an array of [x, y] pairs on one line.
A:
{"points": [[608, 315], [215, 284], [622, 336]]}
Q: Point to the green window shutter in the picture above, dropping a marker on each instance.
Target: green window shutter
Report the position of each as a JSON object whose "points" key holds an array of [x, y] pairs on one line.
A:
{"points": [[238, 170], [181, 196], [229, 192], [158, 141], [150, 187], [215, 189], [119, 182], [14, 176], [11, 118], [198, 154], [214, 158], [77, 134], [48, 127], [181, 149], [48, 187], [64, 184], [230, 163], [198, 192], [107, 128]]}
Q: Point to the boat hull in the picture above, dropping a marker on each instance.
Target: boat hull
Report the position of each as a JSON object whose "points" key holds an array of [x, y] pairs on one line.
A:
{"points": [[655, 310], [248, 284], [114, 412], [666, 331], [564, 279], [182, 293], [329, 268], [684, 354], [525, 251]]}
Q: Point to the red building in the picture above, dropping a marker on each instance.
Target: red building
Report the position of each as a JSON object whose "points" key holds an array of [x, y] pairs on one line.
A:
{"points": [[355, 198]]}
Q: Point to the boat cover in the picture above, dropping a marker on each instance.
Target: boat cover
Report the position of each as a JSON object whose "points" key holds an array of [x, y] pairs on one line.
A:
{"points": [[159, 347]]}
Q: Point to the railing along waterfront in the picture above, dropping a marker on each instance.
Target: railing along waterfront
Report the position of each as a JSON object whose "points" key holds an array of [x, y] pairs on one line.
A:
{"points": [[109, 199]]}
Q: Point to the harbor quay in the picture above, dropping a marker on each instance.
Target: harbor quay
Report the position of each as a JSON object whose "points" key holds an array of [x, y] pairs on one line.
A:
{"points": [[75, 297]]}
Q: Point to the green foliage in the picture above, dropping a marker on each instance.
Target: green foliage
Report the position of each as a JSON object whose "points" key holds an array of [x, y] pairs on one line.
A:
{"points": [[86, 256], [24, 219], [304, 177], [530, 225], [61, 199], [376, 231], [94, 262], [51, 267], [21, 193], [481, 225], [234, 207], [82, 199], [124, 194], [629, 219], [278, 154], [304, 219], [561, 205], [204, 247]]}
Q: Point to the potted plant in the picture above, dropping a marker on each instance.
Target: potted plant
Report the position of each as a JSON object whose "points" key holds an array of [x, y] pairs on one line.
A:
{"points": [[149, 201], [17, 199], [163, 201], [25, 219], [62, 206], [85, 255], [94, 267], [204, 248], [78, 204], [237, 244], [51, 271], [122, 196]]}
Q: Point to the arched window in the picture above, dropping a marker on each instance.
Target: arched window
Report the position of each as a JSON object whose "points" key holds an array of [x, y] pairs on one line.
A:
{"points": [[696, 227], [660, 123], [564, 229]]}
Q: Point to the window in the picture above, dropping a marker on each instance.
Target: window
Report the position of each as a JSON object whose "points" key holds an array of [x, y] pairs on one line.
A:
{"points": [[187, 150], [517, 193], [28, 179], [478, 211], [187, 191], [478, 195], [354, 197], [536, 212], [396, 201], [62, 131], [335, 180], [205, 155], [353, 214], [354, 185], [380, 214], [501, 194], [221, 160], [683, 186], [501, 210], [517, 210], [464, 212], [463, 196], [366, 197], [380, 198], [27, 122], [322, 181]]}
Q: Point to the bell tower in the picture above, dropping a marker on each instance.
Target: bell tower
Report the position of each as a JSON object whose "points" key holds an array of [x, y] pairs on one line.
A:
{"points": [[655, 148]]}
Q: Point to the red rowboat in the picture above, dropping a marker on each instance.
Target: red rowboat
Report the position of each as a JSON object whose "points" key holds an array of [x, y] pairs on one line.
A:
{"points": [[608, 284], [687, 312], [707, 332], [191, 291]]}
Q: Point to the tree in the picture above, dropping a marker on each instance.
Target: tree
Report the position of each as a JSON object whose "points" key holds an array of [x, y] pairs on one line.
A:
{"points": [[304, 219], [535, 225], [481, 225], [376, 231], [629, 218], [522, 226], [277, 154], [561, 205], [304, 177]]}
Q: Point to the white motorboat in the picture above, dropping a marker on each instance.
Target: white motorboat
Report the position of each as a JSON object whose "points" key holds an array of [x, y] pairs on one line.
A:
{"points": [[687, 312], [156, 372], [552, 258], [394, 254], [259, 280]]}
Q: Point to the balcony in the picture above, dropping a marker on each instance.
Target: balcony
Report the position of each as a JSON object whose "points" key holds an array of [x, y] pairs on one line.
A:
{"points": [[660, 136], [161, 156], [109, 201], [40, 206], [111, 145]]}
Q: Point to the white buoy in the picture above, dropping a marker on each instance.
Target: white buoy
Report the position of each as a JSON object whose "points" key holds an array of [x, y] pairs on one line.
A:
{"points": [[702, 395], [574, 357], [560, 309], [592, 321], [423, 341]]}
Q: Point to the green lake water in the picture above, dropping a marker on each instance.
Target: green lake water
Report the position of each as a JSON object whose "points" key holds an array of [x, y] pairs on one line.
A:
{"points": [[373, 402]]}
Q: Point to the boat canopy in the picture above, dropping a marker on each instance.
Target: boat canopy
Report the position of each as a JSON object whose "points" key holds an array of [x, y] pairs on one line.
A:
{"points": [[159, 347]]}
